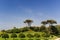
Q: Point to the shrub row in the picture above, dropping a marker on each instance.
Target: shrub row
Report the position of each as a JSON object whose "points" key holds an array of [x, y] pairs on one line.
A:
{"points": [[21, 35]]}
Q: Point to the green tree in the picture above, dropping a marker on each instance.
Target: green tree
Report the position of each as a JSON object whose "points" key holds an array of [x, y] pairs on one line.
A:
{"points": [[29, 22], [44, 22], [15, 30], [36, 29], [58, 28], [13, 36], [54, 30], [5, 36], [51, 22], [26, 29], [3, 31], [8, 31], [43, 28]]}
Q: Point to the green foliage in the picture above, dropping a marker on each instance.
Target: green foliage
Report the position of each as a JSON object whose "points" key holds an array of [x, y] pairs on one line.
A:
{"points": [[5, 36], [3, 31], [53, 30], [25, 29], [8, 31], [44, 22], [21, 35], [15, 31], [45, 34], [28, 21], [42, 37], [36, 35], [36, 29], [51, 22], [0, 35], [30, 35], [43, 28], [58, 28], [31, 28], [58, 36], [13, 35]]}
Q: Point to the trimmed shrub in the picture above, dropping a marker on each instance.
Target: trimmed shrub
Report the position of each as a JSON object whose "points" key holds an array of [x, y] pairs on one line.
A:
{"points": [[5, 36], [30, 35], [13, 36], [21, 35], [45, 35], [36, 35]]}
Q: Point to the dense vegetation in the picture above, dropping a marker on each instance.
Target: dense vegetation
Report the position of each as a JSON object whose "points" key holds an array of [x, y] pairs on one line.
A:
{"points": [[43, 30]]}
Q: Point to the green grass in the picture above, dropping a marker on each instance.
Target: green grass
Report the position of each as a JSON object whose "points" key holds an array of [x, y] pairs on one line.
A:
{"points": [[26, 38]]}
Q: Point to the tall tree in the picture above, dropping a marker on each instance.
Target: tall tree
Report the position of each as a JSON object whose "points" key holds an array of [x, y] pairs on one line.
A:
{"points": [[51, 22], [52, 28], [43, 27], [29, 22], [44, 22]]}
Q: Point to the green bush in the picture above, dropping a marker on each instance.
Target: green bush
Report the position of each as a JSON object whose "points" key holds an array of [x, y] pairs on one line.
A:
{"points": [[36, 29], [13, 36], [58, 36], [5, 36], [45, 35], [21, 35], [36, 35], [30, 35]]}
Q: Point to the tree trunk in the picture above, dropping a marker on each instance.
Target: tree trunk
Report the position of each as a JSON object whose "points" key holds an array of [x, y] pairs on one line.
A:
{"points": [[29, 24]]}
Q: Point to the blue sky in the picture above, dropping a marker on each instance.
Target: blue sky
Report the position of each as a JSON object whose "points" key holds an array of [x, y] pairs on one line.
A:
{"points": [[14, 12]]}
